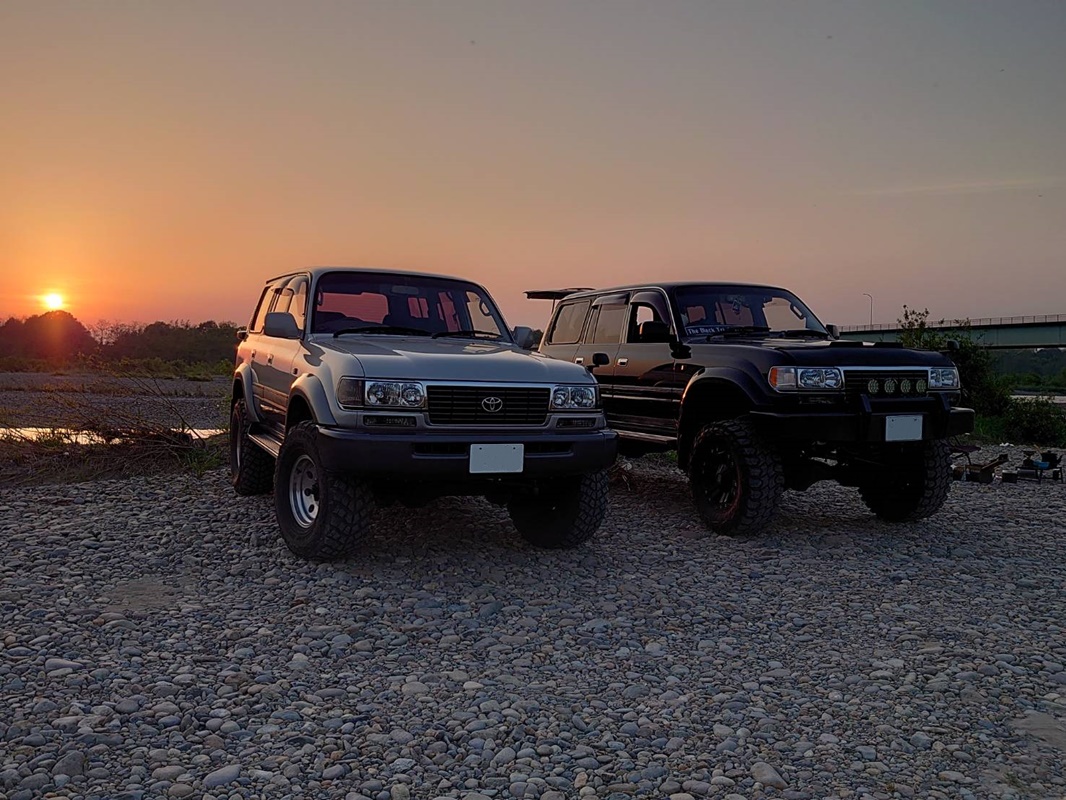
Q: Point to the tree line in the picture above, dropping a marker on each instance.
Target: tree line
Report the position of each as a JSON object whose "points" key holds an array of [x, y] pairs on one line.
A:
{"points": [[58, 339]]}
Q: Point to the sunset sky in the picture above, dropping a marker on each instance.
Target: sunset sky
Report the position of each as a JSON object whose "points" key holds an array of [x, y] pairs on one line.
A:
{"points": [[161, 160]]}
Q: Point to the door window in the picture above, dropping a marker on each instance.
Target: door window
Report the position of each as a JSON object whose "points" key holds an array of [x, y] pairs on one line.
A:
{"points": [[265, 302], [639, 314]]}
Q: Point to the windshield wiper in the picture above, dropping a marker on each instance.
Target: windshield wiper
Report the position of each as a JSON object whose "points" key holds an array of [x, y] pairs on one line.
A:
{"points": [[799, 333], [400, 329], [468, 334], [740, 330]]}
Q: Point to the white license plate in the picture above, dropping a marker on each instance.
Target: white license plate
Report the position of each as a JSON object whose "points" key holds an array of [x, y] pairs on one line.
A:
{"points": [[899, 428], [497, 457]]}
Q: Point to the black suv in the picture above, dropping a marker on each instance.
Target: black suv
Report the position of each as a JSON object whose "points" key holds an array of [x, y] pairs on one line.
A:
{"points": [[757, 396]]}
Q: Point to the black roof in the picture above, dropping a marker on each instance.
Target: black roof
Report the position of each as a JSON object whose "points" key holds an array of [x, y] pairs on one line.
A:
{"points": [[557, 294]]}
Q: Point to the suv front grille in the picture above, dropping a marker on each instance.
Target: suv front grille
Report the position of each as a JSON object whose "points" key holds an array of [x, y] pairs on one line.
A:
{"points": [[487, 405], [887, 383]]}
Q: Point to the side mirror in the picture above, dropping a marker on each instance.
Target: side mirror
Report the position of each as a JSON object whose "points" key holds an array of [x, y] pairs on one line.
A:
{"points": [[523, 337], [281, 325], [242, 334], [952, 345], [653, 332], [599, 360], [679, 349], [834, 330]]}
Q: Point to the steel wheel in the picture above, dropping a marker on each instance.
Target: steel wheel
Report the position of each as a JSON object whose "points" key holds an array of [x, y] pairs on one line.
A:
{"points": [[303, 491]]}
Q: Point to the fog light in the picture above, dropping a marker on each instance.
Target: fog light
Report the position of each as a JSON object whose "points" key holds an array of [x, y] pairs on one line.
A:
{"points": [[576, 422], [382, 421]]}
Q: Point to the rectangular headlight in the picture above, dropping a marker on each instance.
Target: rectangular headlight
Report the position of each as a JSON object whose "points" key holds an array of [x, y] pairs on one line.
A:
{"points": [[943, 378], [806, 379], [405, 394], [350, 393], [575, 398]]}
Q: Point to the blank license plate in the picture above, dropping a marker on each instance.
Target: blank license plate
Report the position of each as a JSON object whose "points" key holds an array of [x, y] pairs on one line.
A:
{"points": [[903, 428], [497, 457]]}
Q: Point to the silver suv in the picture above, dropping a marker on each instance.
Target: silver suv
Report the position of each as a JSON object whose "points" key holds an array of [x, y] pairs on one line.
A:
{"points": [[357, 388]]}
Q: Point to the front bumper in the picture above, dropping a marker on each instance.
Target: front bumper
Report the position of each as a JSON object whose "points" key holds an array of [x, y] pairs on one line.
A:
{"points": [[447, 456], [866, 425]]}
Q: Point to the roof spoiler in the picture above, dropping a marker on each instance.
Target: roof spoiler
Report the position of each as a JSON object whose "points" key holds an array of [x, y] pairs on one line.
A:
{"points": [[555, 294]]}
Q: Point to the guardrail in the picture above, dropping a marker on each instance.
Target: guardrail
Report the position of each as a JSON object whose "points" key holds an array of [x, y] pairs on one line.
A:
{"points": [[983, 322]]}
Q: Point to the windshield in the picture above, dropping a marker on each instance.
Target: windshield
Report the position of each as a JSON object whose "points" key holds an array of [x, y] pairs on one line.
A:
{"points": [[413, 305], [717, 309]]}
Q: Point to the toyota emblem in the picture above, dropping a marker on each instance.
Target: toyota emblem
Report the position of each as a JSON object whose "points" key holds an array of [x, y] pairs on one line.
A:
{"points": [[492, 404]]}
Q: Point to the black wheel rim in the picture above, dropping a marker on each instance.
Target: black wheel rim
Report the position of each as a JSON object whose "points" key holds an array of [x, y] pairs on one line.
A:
{"points": [[718, 480]]}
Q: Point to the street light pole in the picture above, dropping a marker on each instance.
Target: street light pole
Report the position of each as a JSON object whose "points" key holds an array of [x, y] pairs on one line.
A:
{"points": [[871, 307]]}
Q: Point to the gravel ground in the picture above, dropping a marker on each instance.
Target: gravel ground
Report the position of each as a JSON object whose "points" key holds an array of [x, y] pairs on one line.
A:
{"points": [[157, 640]]}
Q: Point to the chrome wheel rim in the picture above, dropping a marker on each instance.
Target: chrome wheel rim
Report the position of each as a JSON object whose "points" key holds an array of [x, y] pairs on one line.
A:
{"points": [[303, 491]]}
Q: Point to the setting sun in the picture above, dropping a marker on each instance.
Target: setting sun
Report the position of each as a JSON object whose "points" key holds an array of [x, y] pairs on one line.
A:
{"points": [[52, 301]]}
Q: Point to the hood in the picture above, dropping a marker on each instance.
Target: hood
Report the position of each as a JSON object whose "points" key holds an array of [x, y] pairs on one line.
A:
{"points": [[424, 359]]}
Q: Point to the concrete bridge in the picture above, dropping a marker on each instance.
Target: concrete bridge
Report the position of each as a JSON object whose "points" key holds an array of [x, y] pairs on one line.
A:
{"points": [[998, 333]]}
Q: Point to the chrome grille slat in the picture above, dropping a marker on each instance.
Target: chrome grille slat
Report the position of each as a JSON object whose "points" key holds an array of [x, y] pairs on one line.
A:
{"points": [[462, 405]]}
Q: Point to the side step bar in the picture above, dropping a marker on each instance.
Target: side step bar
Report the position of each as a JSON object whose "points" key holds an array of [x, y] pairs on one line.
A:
{"points": [[268, 443], [638, 436]]}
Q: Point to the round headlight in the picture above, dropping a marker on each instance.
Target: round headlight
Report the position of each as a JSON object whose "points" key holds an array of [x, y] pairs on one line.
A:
{"points": [[412, 394], [872, 386], [920, 386], [905, 386], [561, 398], [890, 386], [582, 396]]}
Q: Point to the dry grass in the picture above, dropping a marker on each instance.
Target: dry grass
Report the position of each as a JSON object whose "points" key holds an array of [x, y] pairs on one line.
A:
{"points": [[90, 439]]}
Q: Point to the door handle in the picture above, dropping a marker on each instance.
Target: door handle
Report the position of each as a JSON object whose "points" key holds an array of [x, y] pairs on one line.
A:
{"points": [[253, 354], [579, 360], [622, 362], [270, 358]]}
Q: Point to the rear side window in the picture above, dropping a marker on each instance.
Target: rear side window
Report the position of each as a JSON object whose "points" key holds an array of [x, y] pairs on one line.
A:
{"points": [[568, 323]]}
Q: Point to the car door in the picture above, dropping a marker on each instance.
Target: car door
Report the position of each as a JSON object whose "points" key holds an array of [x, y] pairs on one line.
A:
{"points": [[646, 386], [603, 334], [273, 357], [282, 354]]}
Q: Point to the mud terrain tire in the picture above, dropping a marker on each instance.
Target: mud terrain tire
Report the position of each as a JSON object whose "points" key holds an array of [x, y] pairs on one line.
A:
{"points": [[322, 515], [736, 478]]}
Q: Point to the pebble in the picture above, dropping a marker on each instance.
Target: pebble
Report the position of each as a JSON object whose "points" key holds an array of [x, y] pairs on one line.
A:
{"points": [[157, 640]]}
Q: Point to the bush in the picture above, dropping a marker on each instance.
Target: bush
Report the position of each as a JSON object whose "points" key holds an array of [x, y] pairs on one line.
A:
{"points": [[983, 390], [1035, 421]]}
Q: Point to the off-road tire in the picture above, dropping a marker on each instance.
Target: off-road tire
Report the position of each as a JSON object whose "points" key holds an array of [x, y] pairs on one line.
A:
{"points": [[251, 468], [565, 513], [322, 515], [736, 478], [910, 486]]}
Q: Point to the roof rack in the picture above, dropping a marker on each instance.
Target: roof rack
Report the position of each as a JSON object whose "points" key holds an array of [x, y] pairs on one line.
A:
{"points": [[555, 294]]}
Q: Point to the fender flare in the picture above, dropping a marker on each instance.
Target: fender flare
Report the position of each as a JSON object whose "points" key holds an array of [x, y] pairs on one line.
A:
{"points": [[741, 388], [242, 377], [736, 378], [309, 388]]}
